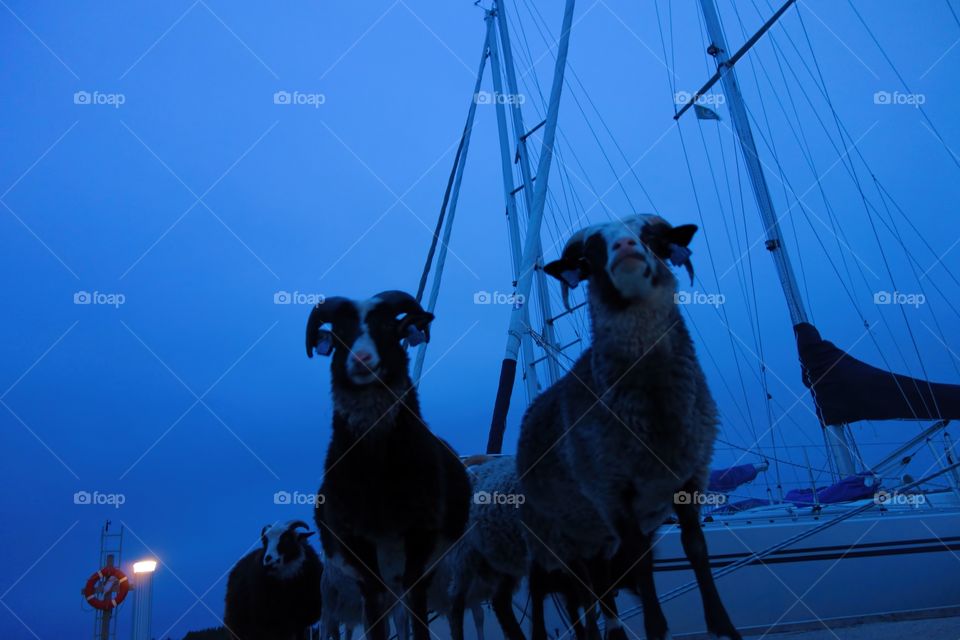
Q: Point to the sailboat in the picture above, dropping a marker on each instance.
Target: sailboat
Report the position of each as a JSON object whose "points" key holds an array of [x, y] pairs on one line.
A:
{"points": [[875, 541]]}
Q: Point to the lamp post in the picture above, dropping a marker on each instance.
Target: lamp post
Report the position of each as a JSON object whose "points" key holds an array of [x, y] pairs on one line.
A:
{"points": [[143, 598]]}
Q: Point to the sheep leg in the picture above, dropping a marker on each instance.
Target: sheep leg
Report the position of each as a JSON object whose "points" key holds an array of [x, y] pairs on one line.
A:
{"points": [[476, 612], [401, 621], [457, 607], [503, 608], [695, 548], [573, 613], [654, 622], [600, 573], [362, 556], [331, 630], [538, 593], [637, 553], [418, 546]]}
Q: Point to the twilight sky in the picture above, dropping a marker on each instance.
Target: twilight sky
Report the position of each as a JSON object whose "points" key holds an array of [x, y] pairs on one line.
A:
{"points": [[149, 172]]}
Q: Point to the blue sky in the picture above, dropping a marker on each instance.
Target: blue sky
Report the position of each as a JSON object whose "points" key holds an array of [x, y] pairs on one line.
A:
{"points": [[198, 198]]}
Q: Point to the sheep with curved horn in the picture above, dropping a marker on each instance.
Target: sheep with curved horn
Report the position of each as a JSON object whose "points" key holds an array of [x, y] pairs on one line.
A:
{"points": [[273, 592], [395, 496]]}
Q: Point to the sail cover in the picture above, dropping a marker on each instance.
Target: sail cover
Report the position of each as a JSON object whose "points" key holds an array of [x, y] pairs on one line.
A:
{"points": [[845, 389], [726, 480]]}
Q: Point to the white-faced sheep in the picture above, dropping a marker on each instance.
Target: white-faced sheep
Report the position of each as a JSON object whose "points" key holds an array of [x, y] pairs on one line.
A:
{"points": [[634, 420], [396, 496], [273, 593]]}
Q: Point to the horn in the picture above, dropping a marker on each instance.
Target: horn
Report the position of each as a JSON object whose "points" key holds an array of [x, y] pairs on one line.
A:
{"points": [[321, 314], [402, 301], [263, 531], [297, 524]]}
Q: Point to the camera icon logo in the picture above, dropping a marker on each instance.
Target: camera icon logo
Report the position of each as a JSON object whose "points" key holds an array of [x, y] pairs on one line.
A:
{"points": [[682, 297], [882, 97], [82, 297], [482, 297], [882, 297], [82, 497], [81, 97], [482, 497], [282, 497], [682, 497], [282, 297], [281, 97], [483, 97]]}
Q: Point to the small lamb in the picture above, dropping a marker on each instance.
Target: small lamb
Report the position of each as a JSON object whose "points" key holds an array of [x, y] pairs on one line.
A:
{"points": [[396, 496]]}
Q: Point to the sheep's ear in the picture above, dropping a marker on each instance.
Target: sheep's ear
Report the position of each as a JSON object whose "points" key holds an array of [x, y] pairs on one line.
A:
{"points": [[569, 272], [303, 535], [679, 238], [682, 235], [415, 327]]}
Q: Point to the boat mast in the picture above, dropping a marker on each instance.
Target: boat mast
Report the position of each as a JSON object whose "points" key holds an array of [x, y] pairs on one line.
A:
{"points": [[838, 447], [509, 193], [531, 249], [523, 156], [449, 206]]}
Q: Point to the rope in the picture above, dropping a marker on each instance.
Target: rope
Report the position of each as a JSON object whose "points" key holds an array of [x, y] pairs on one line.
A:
{"points": [[903, 82]]}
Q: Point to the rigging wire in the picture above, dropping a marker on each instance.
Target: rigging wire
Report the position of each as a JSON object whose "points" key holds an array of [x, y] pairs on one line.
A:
{"points": [[903, 82]]}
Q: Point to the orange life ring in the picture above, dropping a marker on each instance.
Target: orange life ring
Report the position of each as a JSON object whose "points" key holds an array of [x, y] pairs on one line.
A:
{"points": [[106, 599]]}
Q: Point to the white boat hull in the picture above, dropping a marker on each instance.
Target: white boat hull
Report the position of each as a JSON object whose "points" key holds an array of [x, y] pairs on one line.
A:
{"points": [[895, 561], [898, 560]]}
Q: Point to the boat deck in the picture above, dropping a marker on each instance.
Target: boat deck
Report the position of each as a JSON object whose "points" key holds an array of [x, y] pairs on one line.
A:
{"points": [[928, 629]]}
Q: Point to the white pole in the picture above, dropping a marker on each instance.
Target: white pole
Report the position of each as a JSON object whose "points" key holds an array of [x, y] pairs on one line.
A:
{"points": [[509, 197], [143, 606], [528, 262], [452, 205], [519, 132], [838, 449]]}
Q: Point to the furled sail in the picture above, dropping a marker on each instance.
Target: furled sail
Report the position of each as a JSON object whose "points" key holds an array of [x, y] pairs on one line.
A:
{"points": [[845, 389], [726, 480]]}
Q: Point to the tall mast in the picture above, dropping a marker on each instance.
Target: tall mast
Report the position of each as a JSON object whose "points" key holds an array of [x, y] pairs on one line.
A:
{"points": [[509, 193], [523, 155], [838, 447], [531, 249]]}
